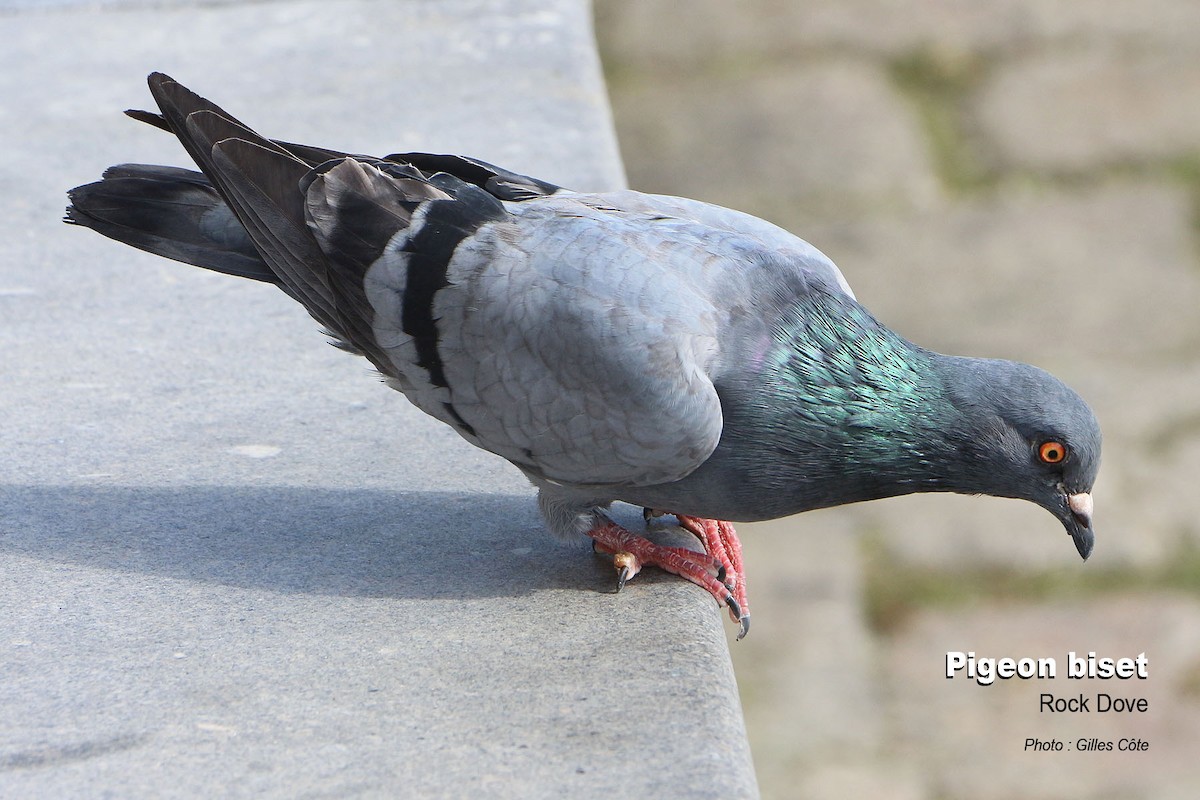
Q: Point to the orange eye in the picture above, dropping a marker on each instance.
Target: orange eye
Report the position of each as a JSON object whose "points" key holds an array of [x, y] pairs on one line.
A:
{"points": [[1052, 452]]}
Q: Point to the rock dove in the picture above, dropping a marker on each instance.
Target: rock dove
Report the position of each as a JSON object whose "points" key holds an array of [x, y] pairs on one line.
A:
{"points": [[616, 346]]}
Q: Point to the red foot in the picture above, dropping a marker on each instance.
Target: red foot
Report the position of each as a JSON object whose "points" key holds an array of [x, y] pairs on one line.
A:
{"points": [[721, 541], [723, 561]]}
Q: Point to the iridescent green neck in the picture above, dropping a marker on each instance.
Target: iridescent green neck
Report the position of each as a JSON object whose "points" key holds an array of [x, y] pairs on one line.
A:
{"points": [[861, 412]]}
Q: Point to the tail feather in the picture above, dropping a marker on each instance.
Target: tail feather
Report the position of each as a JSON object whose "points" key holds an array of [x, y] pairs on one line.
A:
{"points": [[170, 212]]}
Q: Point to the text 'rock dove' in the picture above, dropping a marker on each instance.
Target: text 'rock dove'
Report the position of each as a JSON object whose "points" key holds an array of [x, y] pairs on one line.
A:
{"points": [[664, 352]]}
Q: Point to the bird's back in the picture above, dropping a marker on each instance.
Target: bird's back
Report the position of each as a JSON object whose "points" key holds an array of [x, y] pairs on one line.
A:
{"points": [[577, 335]]}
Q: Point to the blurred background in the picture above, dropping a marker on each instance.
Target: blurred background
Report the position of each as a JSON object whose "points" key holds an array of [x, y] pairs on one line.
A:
{"points": [[1016, 179]]}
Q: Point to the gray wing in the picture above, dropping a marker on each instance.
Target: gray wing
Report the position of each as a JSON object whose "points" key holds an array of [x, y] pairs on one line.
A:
{"points": [[583, 337], [580, 336]]}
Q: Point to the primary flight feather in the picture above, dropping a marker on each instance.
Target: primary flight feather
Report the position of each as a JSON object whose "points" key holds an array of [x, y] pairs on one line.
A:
{"points": [[617, 346]]}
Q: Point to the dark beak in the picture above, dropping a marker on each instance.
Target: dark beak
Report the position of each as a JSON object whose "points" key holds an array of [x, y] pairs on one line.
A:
{"points": [[1079, 523]]}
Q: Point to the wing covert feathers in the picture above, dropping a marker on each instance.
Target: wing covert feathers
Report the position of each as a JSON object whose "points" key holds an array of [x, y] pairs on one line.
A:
{"points": [[578, 336]]}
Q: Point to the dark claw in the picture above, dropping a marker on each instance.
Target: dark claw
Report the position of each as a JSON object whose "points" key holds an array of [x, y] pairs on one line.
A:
{"points": [[734, 606], [743, 620], [622, 576], [721, 576]]}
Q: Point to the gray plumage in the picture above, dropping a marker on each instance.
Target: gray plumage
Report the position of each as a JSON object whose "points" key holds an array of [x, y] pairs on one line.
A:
{"points": [[616, 346]]}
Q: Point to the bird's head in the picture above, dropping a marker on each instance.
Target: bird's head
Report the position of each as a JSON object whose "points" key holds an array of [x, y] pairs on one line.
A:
{"points": [[1030, 437]]}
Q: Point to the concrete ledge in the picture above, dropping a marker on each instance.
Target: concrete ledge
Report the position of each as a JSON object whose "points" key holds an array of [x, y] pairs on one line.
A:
{"points": [[231, 563]]}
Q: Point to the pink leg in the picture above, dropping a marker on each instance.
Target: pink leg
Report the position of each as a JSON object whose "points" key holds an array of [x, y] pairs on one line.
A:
{"points": [[708, 571], [721, 541]]}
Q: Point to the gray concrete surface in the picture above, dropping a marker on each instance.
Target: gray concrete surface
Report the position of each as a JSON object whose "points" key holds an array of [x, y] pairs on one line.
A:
{"points": [[231, 562]]}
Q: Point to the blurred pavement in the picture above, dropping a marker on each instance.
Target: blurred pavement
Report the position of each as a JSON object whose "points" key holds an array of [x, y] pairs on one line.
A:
{"points": [[1016, 179]]}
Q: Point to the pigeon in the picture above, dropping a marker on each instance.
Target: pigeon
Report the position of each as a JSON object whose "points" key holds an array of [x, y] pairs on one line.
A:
{"points": [[614, 347]]}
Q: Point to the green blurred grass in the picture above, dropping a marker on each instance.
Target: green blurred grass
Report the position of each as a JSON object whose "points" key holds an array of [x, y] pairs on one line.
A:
{"points": [[938, 84]]}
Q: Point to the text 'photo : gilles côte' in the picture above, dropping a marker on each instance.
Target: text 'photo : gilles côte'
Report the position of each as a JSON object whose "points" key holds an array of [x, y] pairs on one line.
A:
{"points": [[1089, 745]]}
